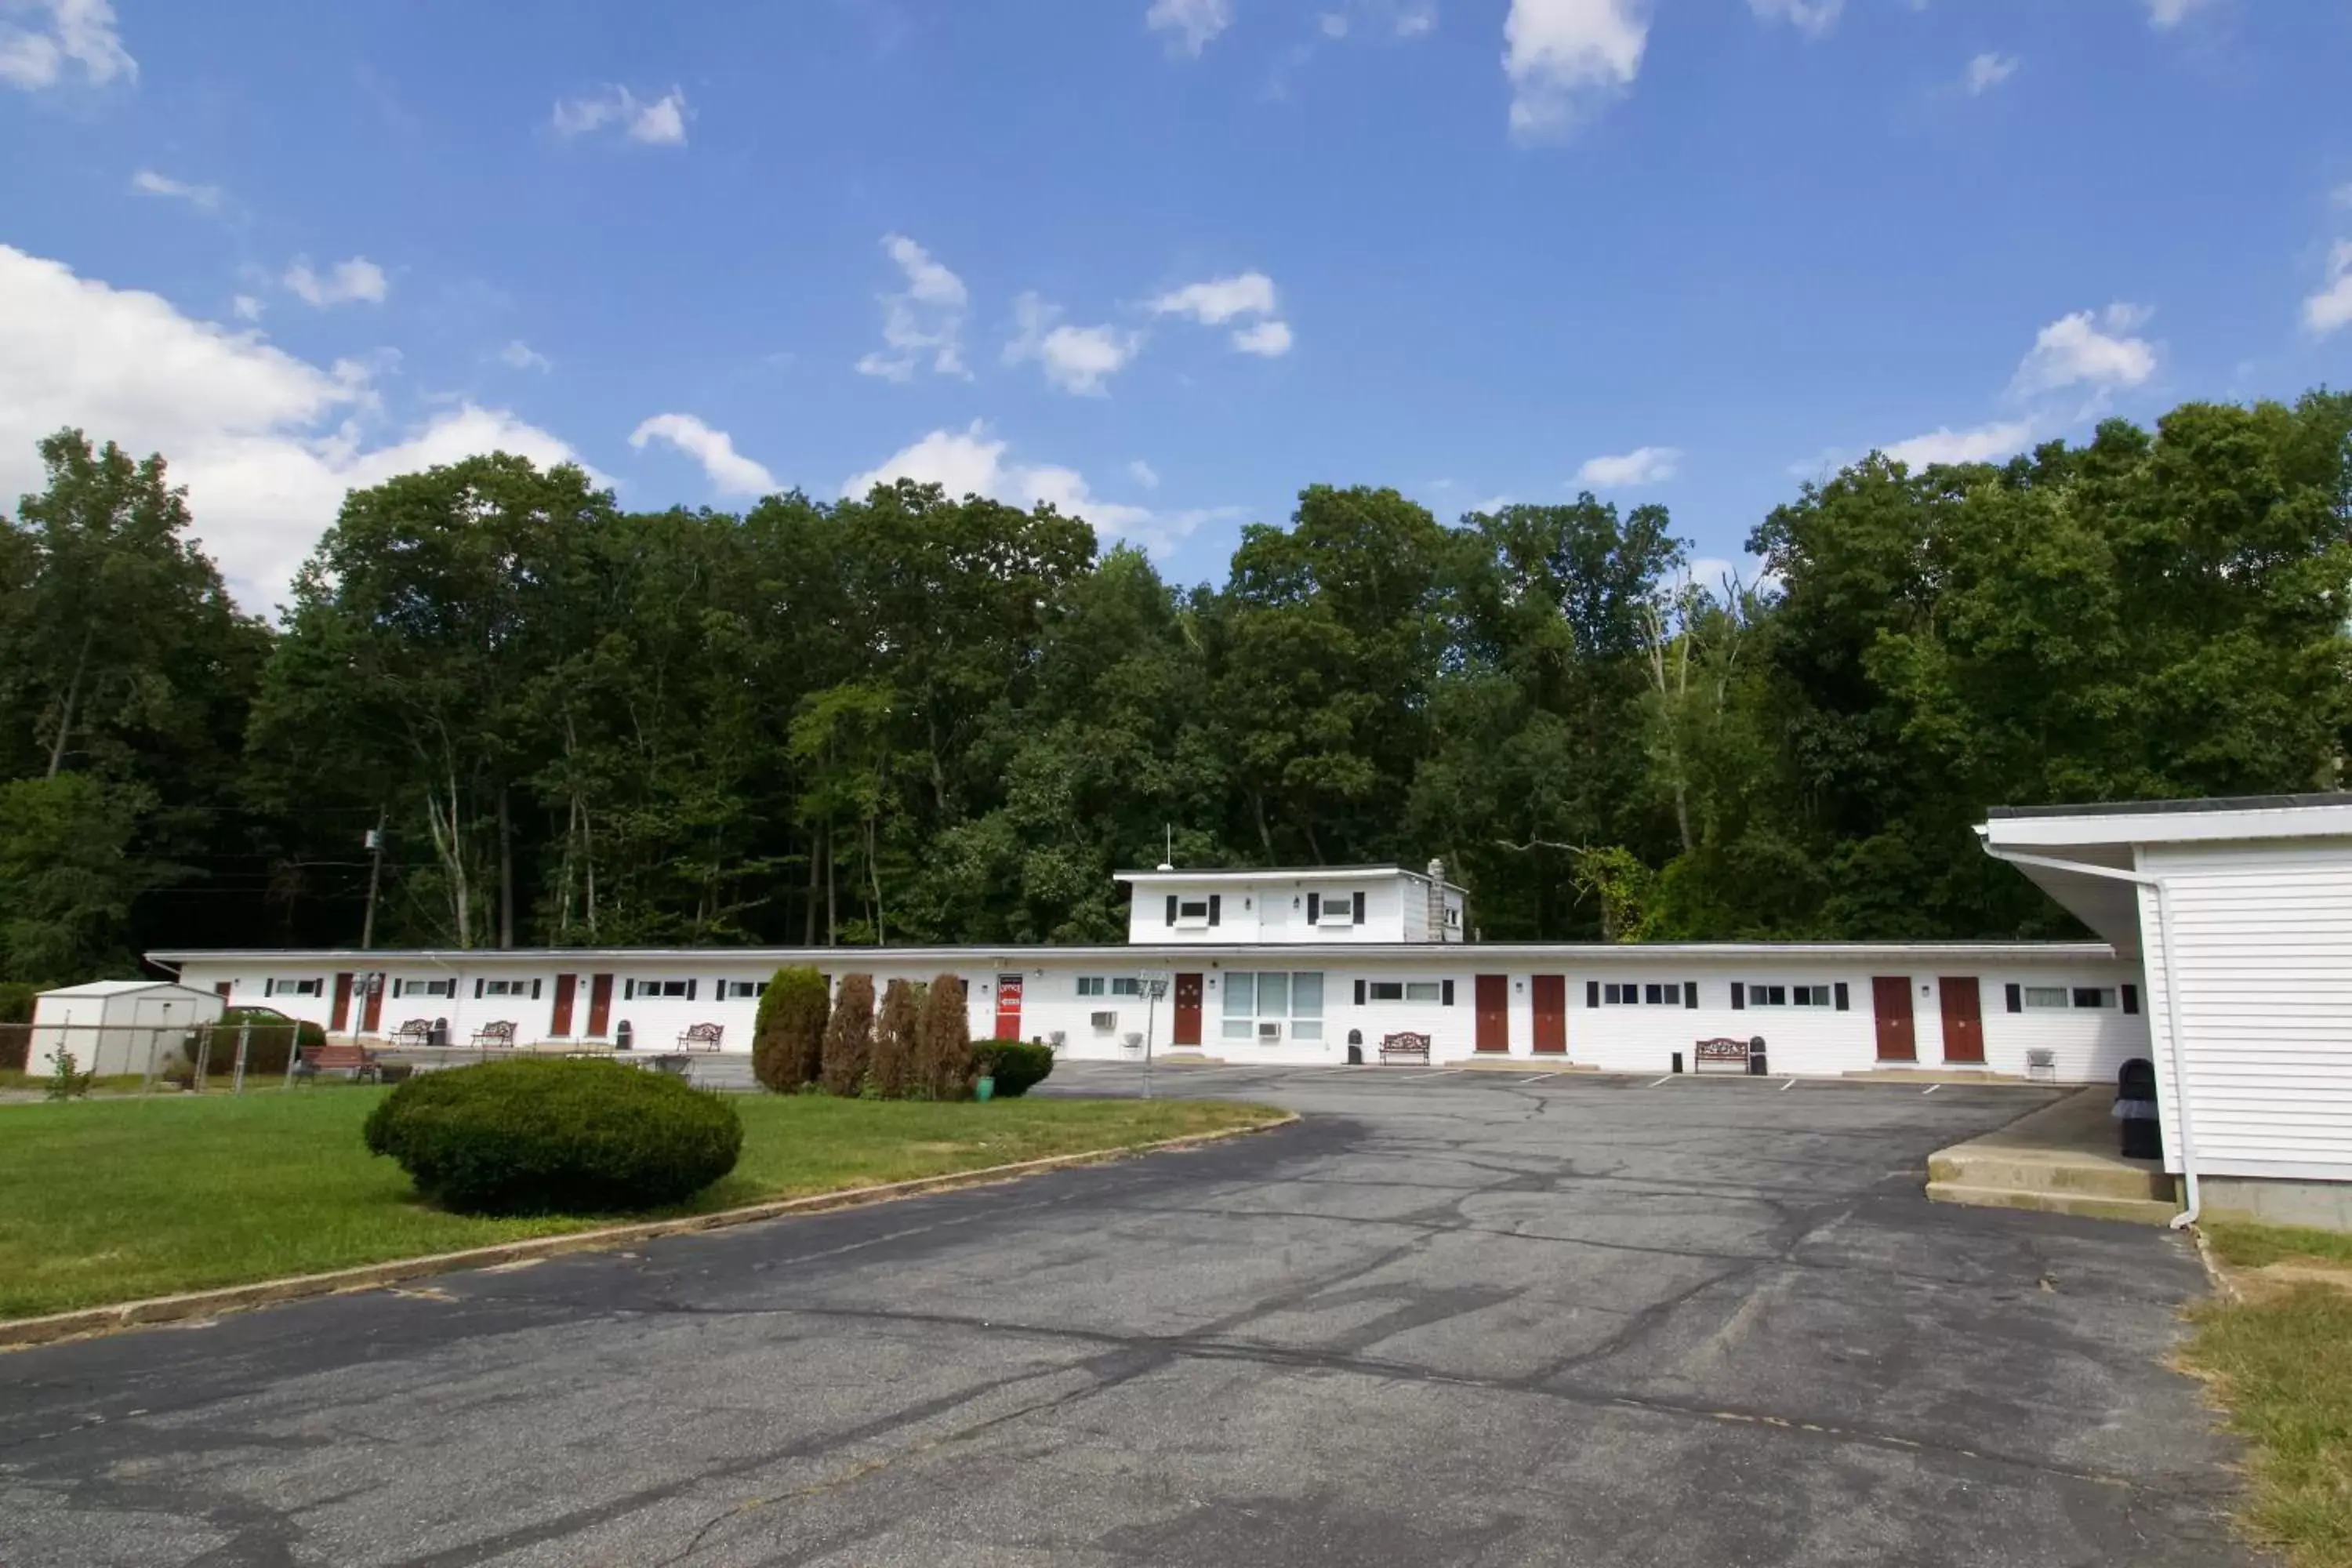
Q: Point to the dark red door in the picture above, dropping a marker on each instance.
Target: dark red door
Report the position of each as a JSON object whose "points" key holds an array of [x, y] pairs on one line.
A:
{"points": [[1494, 1012], [1551, 992], [1008, 1007], [224, 988], [340, 1018], [1188, 1010], [1890, 998], [372, 1010], [559, 1025], [1963, 1019], [599, 1005]]}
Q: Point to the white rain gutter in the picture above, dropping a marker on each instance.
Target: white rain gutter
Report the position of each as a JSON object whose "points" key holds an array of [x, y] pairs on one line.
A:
{"points": [[2187, 1216]]}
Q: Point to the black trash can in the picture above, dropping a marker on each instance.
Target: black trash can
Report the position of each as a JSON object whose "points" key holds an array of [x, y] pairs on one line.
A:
{"points": [[2135, 1111], [1756, 1058], [438, 1035], [1355, 1048]]}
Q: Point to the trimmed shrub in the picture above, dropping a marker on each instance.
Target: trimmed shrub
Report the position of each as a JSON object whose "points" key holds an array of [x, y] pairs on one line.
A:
{"points": [[891, 1074], [16, 1001], [849, 1036], [267, 1050], [788, 1041], [943, 1040], [1017, 1065], [555, 1137]]}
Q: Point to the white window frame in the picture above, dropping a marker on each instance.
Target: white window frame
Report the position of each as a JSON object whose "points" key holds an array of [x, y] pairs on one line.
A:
{"points": [[296, 987], [743, 990], [507, 990], [1298, 1023], [2103, 998], [660, 991], [1127, 985], [1641, 994], [444, 989], [1373, 989], [1092, 986], [2047, 998]]}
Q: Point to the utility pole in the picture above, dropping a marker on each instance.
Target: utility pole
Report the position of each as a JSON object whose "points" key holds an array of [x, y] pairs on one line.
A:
{"points": [[375, 878]]}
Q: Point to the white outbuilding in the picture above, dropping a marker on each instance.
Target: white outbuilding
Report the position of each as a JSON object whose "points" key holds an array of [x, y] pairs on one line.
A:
{"points": [[2240, 910], [116, 1027]]}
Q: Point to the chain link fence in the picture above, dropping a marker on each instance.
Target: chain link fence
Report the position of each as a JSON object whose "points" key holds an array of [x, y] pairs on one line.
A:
{"points": [[234, 1056]]}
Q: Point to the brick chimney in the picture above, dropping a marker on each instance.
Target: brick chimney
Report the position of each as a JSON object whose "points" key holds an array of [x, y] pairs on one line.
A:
{"points": [[1436, 900]]}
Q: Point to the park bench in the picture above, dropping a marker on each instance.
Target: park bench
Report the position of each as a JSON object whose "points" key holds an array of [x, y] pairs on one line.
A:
{"points": [[343, 1057], [1721, 1055], [701, 1038], [415, 1035], [1404, 1046], [497, 1037]]}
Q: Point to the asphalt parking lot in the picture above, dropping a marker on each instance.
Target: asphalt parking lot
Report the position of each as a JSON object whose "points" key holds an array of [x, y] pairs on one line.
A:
{"points": [[1450, 1317]]}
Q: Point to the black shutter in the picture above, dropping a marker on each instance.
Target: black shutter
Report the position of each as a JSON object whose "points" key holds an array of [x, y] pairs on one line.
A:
{"points": [[1171, 909], [534, 987], [1592, 993], [478, 988], [270, 988], [1360, 993], [2131, 998], [628, 990], [1360, 909], [690, 987], [1216, 907], [1739, 995], [1314, 908], [1449, 994], [1690, 993], [2016, 995]]}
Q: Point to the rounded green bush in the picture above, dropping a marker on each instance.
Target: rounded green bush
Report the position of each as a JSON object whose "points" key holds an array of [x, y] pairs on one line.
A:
{"points": [[1017, 1065], [555, 1137], [270, 1043]]}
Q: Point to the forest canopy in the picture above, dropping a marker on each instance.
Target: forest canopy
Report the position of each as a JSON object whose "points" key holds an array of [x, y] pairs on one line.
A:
{"points": [[915, 718]]}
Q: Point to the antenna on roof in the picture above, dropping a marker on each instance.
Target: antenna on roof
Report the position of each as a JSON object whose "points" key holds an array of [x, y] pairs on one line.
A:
{"points": [[1169, 862]]}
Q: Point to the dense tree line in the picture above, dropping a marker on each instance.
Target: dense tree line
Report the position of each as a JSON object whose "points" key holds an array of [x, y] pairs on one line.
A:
{"points": [[910, 717]]}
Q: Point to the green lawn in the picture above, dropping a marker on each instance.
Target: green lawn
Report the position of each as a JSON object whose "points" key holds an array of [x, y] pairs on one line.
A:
{"points": [[2282, 1367], [2254, 1246], [111, 1201]]}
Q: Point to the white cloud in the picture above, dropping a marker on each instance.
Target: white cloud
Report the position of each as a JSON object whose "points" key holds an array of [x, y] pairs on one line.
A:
{"points": [[1219, 300], [266, 443], [1815, 17], [204, 198], [1988, 71], [973, 462], [1568, 58], [1192, 22], [732, 473], [522, 356], [660, 122], [357, 279], [1334, 24], [1415, 21], [1641, 466], [2331, 308], [1076, 359], [2167, 13], [70, 33], [1980, 444], [1267, 340], [924, 320], [2087, 349], [2342, 194], [247, 307], [1143, 473]]}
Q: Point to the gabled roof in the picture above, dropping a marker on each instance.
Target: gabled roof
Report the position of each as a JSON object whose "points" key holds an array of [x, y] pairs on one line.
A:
{"points": [[120, 988], [1276, 874]]}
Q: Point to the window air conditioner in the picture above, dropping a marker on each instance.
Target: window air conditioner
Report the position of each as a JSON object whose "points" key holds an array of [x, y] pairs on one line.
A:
{"points": [[1269, 1031], [1104, 1023]]}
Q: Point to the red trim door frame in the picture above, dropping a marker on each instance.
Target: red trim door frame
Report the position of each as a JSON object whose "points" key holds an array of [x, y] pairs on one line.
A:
{"points": [[1898, 1037], [1494, 998], [1549, 993], [1963, 1006], [1187, 1031]]}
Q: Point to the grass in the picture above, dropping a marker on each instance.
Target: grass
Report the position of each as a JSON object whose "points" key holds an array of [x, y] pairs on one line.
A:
{"points": [[112, 1201], [17, 1077], [2283, 1365], [2256, 1245]]}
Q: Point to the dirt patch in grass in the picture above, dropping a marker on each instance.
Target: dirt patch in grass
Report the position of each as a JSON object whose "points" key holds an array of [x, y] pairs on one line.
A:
{"points": [[116, 1201]]}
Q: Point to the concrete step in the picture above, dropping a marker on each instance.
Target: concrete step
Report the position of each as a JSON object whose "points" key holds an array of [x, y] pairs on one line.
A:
{"points": [[2021, 1172], [2085, 1206]]}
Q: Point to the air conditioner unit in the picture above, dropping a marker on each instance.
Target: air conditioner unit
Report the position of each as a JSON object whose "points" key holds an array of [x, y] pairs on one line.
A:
{"points": [[1104, 1023], [1269, 1031]]}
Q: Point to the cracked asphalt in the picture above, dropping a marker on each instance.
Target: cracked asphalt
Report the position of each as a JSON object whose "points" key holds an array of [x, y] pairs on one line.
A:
{"points": [[1450, 1317]]}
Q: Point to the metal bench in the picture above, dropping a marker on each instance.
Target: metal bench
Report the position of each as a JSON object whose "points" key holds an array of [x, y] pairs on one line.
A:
{"points": [[497, 1037], [1721, 1055], [357, 1061], [1404, 1046], [701, 1038]]}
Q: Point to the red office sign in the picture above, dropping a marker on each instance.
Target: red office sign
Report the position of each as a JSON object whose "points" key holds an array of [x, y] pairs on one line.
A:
{"points": [[1008, 1006]]}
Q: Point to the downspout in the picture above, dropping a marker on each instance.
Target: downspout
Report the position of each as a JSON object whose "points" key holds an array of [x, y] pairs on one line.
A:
{"points": [[2187, 1216]]}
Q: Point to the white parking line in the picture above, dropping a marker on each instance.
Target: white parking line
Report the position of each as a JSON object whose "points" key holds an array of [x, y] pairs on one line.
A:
{"points": [[1930, 1090], [1668, 1078], [1539, 1077], [1788, 1086]]}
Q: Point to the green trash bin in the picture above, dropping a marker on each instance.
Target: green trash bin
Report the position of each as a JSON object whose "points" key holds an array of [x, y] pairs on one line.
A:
{"points": [[986, 1090]]}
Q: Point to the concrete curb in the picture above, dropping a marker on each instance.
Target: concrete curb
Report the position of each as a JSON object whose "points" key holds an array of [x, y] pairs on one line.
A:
{"points": [[17, 1333]]}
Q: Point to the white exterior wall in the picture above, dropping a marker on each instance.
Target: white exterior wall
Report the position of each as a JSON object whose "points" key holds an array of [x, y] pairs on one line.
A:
{"points": [[2263, 941], [2088, 1046], [1273, 909]]}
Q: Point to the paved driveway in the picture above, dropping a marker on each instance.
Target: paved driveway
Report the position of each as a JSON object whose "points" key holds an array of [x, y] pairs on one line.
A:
{"points": [[1453, 1318]]}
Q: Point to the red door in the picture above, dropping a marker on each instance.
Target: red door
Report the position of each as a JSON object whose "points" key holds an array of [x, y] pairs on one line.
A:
{"points": [[1963, 1019], [224, 988], [599, 1005], [340, 1018], [1494, 1012], [1551, 992], [372, 1010], [1008, 1006], [1890, 998], [1188, 1010], [559, 1025]]}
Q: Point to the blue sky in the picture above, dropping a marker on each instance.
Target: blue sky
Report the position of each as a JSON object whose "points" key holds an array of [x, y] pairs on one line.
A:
{"points": [[1164, 261]]}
